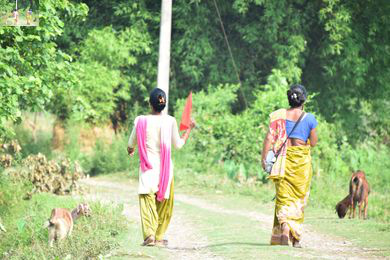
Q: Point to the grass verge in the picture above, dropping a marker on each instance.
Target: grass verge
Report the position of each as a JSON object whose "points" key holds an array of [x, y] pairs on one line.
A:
{"points": [[27, 239]]}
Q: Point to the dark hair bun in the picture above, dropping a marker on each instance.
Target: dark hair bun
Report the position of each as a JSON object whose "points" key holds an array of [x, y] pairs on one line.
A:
{"points": [[158, 99], [296, 95]]}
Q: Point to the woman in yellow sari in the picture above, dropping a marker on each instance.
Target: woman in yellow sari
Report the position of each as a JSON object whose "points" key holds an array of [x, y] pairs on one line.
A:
{"points": [[292, 170]]}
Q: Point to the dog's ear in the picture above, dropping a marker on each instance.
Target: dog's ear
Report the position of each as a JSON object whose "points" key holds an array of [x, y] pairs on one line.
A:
{"points": [[79, 208], [87, 209], [84, 209]]}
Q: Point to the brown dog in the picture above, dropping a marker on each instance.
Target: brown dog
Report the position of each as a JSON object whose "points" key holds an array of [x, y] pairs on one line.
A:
{"points": [[61, 221], [358, 194]]}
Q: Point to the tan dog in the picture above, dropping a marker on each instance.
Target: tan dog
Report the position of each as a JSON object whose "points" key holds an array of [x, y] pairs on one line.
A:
{"points": [[358, 195], [61, 221]]}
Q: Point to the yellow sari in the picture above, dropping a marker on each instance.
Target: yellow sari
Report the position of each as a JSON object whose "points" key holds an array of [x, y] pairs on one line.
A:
{"points": [[292, 190]]}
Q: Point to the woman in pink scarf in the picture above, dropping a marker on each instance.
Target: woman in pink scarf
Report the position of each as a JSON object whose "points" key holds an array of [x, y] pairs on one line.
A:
{"points": [[154, 134]]}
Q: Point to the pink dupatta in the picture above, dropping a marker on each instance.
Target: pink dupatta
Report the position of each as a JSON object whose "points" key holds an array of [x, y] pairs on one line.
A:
{"points": [[141, 141], [165, 153]]}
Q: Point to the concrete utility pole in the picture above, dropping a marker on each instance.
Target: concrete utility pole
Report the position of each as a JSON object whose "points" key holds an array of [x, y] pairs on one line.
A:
{"points": [[165, 48]]}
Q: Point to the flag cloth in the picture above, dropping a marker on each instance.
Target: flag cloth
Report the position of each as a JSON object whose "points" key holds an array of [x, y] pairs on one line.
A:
{"points": [[186, 117]]}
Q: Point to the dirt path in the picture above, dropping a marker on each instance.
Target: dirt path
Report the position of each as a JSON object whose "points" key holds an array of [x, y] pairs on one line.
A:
{"points": [[324, 246], [186, 243]]}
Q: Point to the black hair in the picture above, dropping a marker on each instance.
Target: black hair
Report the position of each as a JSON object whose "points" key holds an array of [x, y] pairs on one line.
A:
{"points": [[296, 95], [158, 99]]}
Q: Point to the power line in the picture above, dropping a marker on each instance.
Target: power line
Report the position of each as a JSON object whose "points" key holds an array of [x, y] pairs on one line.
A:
{"points": [[230, 51]]}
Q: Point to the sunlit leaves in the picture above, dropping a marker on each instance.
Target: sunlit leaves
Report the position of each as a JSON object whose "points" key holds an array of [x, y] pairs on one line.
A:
{"points": [[337, 20], [28, 61]]}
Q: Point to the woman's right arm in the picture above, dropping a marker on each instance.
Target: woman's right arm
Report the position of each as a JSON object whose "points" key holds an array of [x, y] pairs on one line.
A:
{"points": [[313, 137], [178, 141], [266, 147]]}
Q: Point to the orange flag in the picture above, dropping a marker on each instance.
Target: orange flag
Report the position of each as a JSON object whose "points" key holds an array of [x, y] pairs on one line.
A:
{"points": [[186, 117]]}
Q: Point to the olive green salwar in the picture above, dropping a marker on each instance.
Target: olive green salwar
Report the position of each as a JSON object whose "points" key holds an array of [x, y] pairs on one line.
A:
{"points": [[155, 215]]}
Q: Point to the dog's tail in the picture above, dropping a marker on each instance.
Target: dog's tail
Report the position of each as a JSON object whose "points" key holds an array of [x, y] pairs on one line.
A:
{"points": [[49, 223], [356, 188], [353, 185]]}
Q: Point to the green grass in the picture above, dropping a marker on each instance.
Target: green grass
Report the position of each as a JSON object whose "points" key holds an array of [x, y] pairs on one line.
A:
{"points": [[248, 240], [213, 185], [129, 245], [371, 234], [239, 236], [27, 239], [233, 237], [129, 242]]}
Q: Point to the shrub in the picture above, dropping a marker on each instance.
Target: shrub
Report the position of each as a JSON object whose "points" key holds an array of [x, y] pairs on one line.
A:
{"points": [[30, 145], [110, 158], [222, 136]]}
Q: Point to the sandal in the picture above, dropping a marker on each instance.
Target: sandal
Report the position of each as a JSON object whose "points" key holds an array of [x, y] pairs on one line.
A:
{"points": [[285, 235], [162, 243], [284, 240], [149, 241], [296, 243]]}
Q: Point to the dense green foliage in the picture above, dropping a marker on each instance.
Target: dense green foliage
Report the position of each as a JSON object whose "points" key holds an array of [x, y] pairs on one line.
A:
{"points": [[95, 61], [32, 67]]}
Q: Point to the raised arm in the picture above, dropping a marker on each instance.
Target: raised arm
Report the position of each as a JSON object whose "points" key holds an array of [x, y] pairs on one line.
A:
{"points": [[178, 141]]}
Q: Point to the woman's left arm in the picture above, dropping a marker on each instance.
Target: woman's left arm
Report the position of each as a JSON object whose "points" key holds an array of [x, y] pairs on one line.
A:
{"points": [[266, 147]]}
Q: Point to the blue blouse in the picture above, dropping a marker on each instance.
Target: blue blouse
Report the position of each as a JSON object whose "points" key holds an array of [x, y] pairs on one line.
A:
{"points": [[302, 131]]}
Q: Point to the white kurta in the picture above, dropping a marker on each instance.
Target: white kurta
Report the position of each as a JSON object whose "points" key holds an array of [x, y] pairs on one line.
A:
{"points": [[149, 180]]}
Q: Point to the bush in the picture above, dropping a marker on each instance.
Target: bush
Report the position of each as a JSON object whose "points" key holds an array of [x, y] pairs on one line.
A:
{"points": [[30, 145], [11, 192], [224, 137], [110, 158], [212, 111]]}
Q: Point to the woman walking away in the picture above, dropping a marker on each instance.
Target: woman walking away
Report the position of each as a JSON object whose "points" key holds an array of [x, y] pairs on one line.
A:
{"points": [[291, 134], [154, 135], [16, 16]]}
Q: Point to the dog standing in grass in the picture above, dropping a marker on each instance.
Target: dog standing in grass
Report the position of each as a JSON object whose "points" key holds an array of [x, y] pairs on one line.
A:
{"points": [[61, 221], [358, 195]]}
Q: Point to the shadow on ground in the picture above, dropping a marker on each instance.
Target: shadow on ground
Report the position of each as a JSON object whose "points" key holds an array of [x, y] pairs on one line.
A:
{"points": [[218, 245]]}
